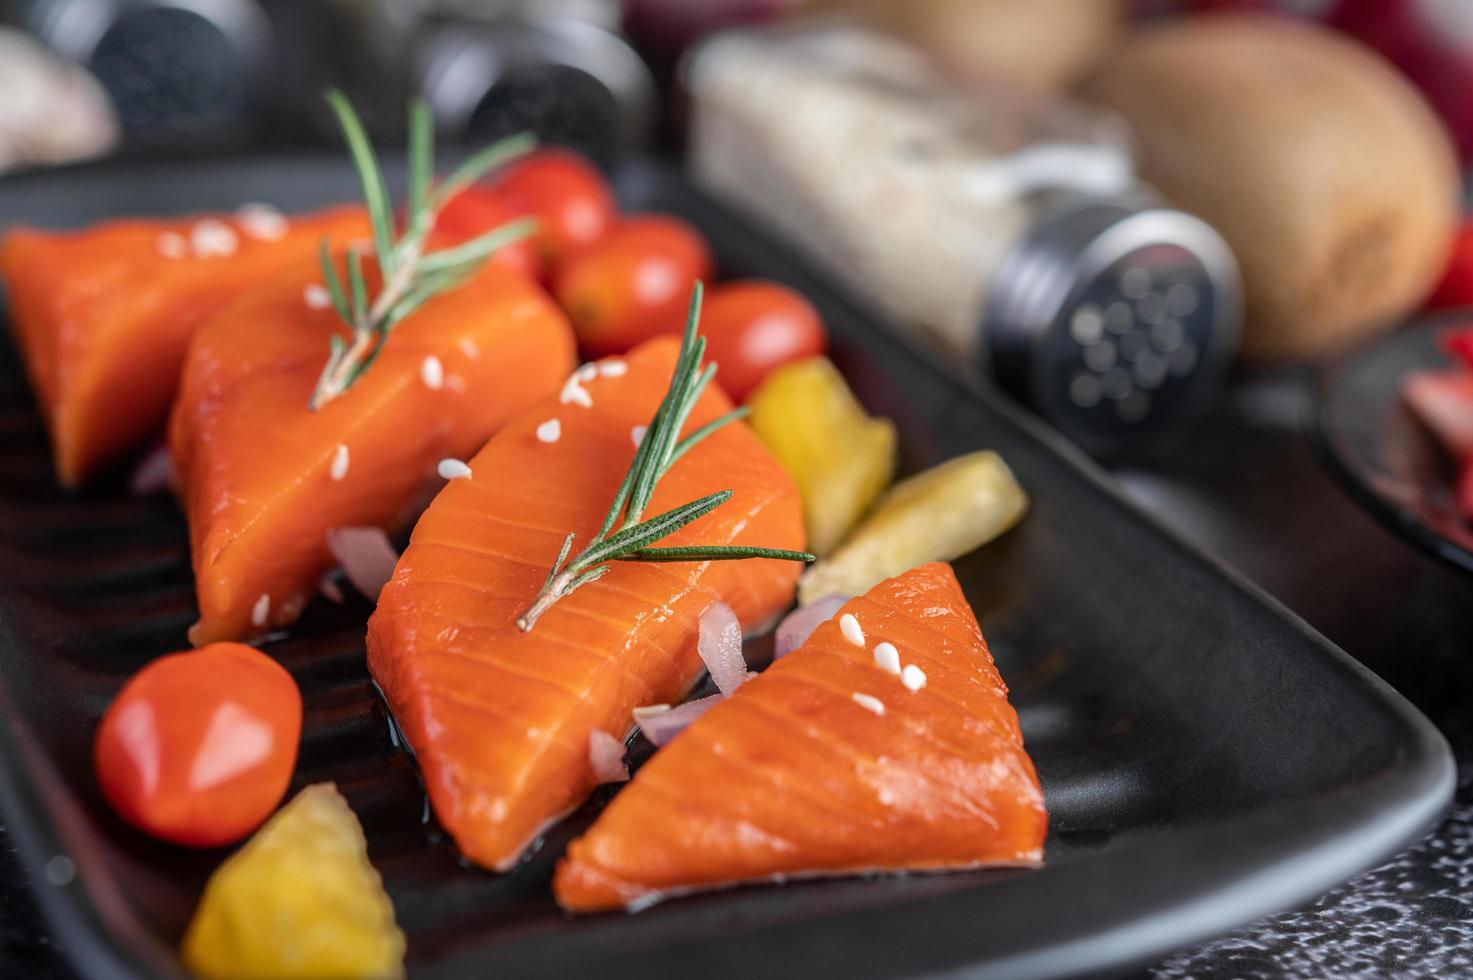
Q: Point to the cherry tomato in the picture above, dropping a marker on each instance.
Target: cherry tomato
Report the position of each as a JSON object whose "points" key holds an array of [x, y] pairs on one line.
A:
{"points": [[753, 327], [632, 284], [474, 212], [567, 195], [198, 747]]}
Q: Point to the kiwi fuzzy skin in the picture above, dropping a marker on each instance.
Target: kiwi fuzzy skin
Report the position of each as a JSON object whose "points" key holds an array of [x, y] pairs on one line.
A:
{"points": [[1330, 177]]}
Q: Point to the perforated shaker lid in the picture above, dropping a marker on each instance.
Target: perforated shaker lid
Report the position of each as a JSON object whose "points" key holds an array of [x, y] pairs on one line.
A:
{"points": [[1116, 318]]}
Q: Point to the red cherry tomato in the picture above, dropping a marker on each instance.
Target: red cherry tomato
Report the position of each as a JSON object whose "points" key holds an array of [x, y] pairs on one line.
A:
{"points": [[632, 284], [753, 327], [474, 212], [567, 195], [198, 747]]}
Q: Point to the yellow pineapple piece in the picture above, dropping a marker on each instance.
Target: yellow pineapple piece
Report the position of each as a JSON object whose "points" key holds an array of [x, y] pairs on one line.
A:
{"points": [[840, 457], [937, 515], [298, 900]]}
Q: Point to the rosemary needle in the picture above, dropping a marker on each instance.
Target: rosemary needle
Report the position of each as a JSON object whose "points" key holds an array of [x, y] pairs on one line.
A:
{"points": [[409, 276], [626, 534]]}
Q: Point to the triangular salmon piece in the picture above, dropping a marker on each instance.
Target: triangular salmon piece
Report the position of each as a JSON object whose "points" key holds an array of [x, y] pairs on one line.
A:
{"points": [[830, 764], [103, 316], [263, 478], [500, 719]]}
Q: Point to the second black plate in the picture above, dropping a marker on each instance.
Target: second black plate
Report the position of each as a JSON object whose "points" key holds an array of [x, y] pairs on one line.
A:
{"points": [[1385, 457], [1207, 758]]}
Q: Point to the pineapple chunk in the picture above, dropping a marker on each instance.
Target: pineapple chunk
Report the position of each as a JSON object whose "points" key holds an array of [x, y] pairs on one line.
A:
{"points": [[840, 458], [937, 515], [298, 900]]}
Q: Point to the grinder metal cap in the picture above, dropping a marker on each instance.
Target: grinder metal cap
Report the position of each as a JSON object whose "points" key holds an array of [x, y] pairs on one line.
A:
{"points": [[1115, 318]]}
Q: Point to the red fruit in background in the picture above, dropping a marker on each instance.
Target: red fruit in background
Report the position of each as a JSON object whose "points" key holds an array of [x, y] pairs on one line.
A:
{"points": [[198, 747], [1459, 344], [567, 195], [474, 212], [1455, 288], [753, 327], [632, 284]]}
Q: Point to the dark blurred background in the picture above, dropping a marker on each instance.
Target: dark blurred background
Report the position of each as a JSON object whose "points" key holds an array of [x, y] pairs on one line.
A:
{"points": [[209, 74]]}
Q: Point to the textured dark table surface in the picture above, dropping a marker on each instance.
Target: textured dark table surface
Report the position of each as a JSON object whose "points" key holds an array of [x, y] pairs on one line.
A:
{"points": [[1247, 487]]}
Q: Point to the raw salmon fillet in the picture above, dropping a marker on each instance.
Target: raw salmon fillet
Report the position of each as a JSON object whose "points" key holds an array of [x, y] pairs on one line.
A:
{"points": [[500, 719], [103, 316], [828, 764], [263, 478]]}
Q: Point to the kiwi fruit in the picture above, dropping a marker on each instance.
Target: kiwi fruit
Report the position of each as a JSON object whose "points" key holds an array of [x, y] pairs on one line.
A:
{"points": [[1332, 180]]}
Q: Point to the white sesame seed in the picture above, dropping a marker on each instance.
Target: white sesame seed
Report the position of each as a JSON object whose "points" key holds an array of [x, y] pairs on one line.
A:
{"points": [[869, 703], [171, 245], [261, 221], [887, 657], [574, 393], [586, 372], [550, 431], [339, 468], [261, 610], [432, 373], [453, 469], [636, 434], [316, 296], [613, 368], [468, 347], [913, 677], [849, 626], [212, 237]]}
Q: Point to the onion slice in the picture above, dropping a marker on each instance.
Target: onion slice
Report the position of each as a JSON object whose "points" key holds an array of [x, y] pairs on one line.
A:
{"points": [[366, 555], [606, 758], [720, 646], [153, 473], [799, 624], [660, 722], [328, 587]]}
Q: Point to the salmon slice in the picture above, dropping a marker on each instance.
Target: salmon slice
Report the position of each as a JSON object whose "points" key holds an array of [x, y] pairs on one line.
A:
{"points": [[500, 719], [263, 478], [103, 316], [829, 764]]}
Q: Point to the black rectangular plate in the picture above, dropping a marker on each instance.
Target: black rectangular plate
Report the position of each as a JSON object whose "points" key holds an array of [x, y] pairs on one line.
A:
{"points": [[1207, 758]]}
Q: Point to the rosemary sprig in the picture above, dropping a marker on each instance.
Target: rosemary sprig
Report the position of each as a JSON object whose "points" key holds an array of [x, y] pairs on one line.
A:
{"points": [[626, 534], [409, 276]]}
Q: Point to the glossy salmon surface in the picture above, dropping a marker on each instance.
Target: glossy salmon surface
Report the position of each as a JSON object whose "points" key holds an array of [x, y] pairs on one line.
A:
{"points": [[829, 764], [263, 478], [103, 316], [500, 719]]}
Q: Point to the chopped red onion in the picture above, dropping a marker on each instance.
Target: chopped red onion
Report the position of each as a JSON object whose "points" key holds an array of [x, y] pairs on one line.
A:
{"points": [[153, 473], [328, 586], [366, 555], [660, 722], [606, 757], [720, 646], [799, 624]]}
